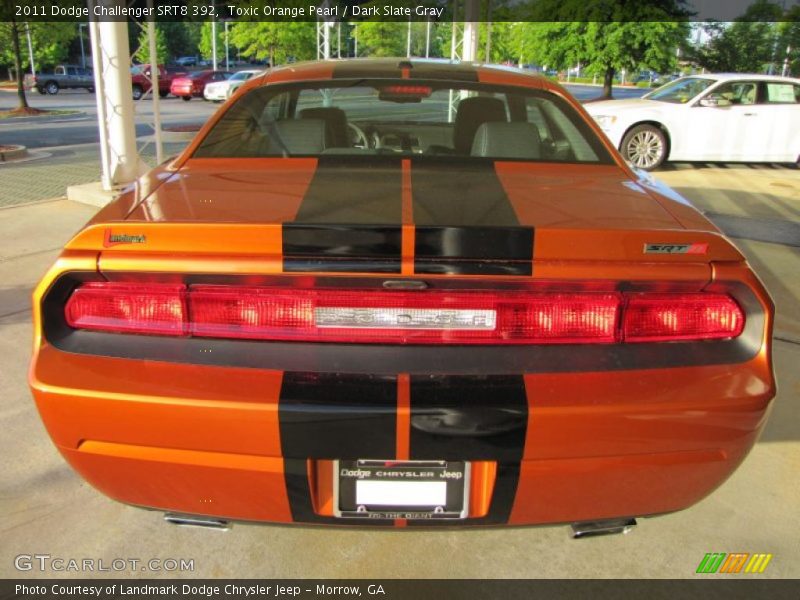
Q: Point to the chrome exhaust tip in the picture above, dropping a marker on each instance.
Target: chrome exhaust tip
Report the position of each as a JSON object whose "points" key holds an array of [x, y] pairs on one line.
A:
{"points": [[196, 521], [611, 526]]}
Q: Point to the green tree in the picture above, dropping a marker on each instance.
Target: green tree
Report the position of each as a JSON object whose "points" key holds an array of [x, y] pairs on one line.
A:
{"points": [[383, 38], [142, 53], [277, 42], [789, 40], [205, 46], [10, 33], [50, 42], [605, 36], [746, 45], [182, 38]]}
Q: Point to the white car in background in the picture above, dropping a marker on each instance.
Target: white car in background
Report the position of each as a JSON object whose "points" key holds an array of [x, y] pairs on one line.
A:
{"points": [[714, 117], [222, 90]]}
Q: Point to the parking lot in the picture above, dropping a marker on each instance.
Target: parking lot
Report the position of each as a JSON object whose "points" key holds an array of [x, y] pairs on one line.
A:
{"points": [[50, 510]]}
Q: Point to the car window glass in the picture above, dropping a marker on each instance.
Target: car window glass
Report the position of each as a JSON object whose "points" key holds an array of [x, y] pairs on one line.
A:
{"points": [[781, 93], [568, 142], [735, 93], [386, 117], [680, 91]]}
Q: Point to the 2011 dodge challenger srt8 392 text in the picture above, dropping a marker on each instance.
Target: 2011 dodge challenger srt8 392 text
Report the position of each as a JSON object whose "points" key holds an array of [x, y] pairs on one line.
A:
{"points": [[402, 293]]}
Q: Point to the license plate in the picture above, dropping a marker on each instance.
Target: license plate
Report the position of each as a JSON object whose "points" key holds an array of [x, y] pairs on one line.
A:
{"points": [[391, 489]]}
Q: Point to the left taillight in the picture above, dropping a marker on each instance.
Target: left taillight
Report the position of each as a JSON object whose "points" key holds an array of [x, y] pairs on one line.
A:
{"points": [[150, 309]]}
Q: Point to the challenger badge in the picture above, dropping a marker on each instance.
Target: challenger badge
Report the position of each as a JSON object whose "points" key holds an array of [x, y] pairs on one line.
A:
{"points": [[112, 239]]}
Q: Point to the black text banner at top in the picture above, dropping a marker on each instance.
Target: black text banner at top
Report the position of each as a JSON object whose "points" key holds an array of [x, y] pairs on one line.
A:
{"points": [[393, 10]]}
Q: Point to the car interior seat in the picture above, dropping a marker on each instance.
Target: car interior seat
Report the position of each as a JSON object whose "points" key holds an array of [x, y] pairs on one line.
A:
{"points": [[520, 141], [335, 124], [471, 114], [294, 136]]}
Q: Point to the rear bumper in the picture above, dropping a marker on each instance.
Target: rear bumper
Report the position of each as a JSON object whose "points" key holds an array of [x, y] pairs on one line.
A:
{"points": [[184, 91], [256, 444]]}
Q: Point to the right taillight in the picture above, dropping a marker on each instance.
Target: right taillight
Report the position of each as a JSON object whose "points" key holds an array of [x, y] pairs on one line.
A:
{"points": [[667, 317]]}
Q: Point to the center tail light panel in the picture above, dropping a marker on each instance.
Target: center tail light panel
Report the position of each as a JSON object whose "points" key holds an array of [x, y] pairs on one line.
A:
{"points": [[426, 317]]}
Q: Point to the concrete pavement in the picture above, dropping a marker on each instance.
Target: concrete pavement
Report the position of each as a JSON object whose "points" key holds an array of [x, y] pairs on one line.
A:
{"points": [[48, 509], [62, 166]]}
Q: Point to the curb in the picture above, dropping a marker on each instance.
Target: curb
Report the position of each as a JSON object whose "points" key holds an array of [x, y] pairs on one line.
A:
{"points": [[14, 153], [45, 118]]}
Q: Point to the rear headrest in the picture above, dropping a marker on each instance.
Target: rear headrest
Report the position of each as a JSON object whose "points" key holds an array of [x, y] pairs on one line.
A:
{"points": [[471, 113], [300, 136], [335, 123], [508, 140]]}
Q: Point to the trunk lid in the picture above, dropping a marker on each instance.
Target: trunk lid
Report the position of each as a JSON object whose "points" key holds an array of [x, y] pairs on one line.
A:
{"points": [[395, 217]]}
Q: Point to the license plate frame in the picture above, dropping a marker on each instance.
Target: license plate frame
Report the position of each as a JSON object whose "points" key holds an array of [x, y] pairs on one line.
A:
{"points": [[401, 478]]}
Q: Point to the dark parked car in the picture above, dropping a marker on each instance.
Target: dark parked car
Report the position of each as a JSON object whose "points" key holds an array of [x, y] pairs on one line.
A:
{"points": [[141, 82], [62, 77], [193, 84]]}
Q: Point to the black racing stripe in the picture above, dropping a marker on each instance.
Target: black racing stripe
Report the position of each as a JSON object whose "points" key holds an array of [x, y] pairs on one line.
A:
{"points": [[334, 416], [465, 223], [349, 220], [367, 70], [451, 194], [328, 416], [444, 72], [468, 417], [474, 250], [393, 69], [345, 191], [342, 248], [472, 418]]}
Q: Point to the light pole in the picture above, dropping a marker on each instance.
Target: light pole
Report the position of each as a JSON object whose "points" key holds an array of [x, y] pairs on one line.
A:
{"points": [[428, 38], [30, 48], [80, 36], [785, 69], [214, 43], [227, 52]]}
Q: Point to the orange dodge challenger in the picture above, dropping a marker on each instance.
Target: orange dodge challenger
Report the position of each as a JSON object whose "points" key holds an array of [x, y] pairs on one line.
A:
{"points": [[402, 293]]}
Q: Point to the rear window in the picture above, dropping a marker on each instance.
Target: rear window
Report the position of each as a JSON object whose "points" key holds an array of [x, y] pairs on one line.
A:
{"points": [[782, 93], [403, 117]]}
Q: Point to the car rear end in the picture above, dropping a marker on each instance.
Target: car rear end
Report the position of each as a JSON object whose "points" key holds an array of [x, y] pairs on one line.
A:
{"points": [[216, 92], [186, 86], [579, 347]]}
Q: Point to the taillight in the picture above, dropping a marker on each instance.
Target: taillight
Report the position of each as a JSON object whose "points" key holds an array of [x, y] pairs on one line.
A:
{"points": [[154, 309], [664, 317], [402, 316]]}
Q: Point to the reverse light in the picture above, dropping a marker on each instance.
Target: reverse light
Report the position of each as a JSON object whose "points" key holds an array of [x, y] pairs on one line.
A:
{"points": [[403, 316]]}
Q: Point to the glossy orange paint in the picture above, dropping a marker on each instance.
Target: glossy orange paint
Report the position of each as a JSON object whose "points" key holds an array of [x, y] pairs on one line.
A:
{"points": [[206, 439]]}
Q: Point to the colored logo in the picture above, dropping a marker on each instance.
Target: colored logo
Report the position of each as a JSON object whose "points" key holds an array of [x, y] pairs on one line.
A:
{"points": [[675, 248], [112, 239], [737, 562]]}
